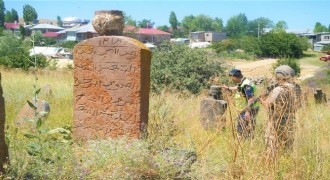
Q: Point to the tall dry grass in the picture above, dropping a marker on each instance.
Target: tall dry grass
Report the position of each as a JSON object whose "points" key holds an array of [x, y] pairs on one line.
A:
{"points": [[174, 124]]}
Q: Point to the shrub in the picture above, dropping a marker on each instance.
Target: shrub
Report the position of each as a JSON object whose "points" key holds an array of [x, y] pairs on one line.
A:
{"points": [[326, 49], [249, 45], [68, 44], [283, 45], [178, 67], [14, 53], [293, 63]]}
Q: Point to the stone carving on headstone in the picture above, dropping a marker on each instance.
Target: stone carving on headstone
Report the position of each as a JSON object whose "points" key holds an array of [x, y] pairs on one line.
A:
{"points": [[27, 112], [111, 83], [3, 146], [212, 109]]}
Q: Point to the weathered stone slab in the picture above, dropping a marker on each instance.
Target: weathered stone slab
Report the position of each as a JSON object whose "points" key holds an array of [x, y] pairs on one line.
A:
{"points": [[111, 88], [211, 112], [3, 146], [27, 112]]}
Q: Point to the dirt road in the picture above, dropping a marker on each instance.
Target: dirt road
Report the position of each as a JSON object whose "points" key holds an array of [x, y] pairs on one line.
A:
{"points": [[263, 68]]}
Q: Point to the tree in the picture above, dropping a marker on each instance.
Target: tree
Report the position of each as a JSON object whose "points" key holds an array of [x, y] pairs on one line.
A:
{"points": [[186, 24], [281, 26], [145, 23], [282, 44], [59, 21], [129, 21], [200, 23], [14, 15], [257, 26], [163, 28], [319, 28], [237, 25], [22, 31], [29, 13], [217, 25], [173, 21], [8, 17], [2, 14]]}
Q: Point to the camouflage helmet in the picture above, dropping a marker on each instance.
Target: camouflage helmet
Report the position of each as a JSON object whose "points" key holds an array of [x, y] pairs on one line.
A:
{"points": [[284, 71]]}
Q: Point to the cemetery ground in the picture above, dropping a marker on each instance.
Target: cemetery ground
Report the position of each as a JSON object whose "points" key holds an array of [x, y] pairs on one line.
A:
{"points": [[176, 146]]}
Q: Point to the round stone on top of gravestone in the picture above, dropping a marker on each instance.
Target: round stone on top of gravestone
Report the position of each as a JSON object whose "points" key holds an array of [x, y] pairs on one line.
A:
{"points": [[108, 23], [111, 82]]}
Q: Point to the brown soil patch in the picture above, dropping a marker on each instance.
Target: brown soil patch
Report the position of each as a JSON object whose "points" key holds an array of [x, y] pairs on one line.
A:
{"points": [[263, 68]]}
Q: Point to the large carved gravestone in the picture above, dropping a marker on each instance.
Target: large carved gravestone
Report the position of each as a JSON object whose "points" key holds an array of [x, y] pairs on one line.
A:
{"points": [[111, 86], [3, 146]]}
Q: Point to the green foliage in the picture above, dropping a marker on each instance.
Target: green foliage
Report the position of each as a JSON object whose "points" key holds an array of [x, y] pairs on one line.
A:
{"points": [[320, 28], [173, 21], [2, 14], [200, 23], [129, 20], [178, 67], [67, 44], [22, 31], [29, 13], [11, 16], [249, 45], [257, 26], [237, 25], [326, 49], [14, 53], [281, 25], [145, 23], [59, 21], [163, 28], [282, 45], [293, 63]]}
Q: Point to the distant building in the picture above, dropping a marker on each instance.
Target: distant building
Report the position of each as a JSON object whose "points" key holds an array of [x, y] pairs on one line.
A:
{"points": [[70, 22], [14, 27], [80, 33], [202, 36], [322, 39], [43, 28]]}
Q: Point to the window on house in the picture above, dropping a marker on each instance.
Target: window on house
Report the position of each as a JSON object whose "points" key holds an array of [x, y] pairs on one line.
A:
{"points": [[327, 37]]}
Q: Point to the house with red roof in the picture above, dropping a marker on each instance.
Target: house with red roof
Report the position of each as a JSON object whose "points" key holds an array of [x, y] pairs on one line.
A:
{"points": [[150, 35], [13, 27]]}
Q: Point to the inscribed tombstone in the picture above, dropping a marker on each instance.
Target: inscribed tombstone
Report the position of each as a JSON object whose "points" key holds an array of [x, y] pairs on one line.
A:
{"points": [[111, 87]]}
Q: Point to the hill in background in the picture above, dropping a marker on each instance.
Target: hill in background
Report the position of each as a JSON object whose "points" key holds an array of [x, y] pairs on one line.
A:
{"points": [[41, 21]]}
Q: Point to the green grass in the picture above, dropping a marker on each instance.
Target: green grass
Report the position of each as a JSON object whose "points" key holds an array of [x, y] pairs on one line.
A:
{"points": [[173, 124], [312, 58]]}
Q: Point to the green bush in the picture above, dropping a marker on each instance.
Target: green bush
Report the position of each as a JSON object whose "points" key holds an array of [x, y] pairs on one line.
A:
{"points": [[282, 45], [248, 44], [293, 63], [67, 44], [326, 49], [14, 53], [178, 67]]}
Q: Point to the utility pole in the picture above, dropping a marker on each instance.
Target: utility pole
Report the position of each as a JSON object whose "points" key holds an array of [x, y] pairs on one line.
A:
{"points": [[258, 29]]}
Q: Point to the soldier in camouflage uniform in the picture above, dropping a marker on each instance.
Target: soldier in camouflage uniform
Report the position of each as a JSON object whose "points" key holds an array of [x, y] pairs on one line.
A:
{"points": [[281, 103]]}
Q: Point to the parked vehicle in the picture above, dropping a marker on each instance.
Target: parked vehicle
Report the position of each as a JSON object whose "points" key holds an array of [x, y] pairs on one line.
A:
{"points": [[325, 58]]}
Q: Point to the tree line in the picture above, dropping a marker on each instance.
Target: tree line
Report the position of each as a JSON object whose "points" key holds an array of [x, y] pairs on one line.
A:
{"points": [[236, 25]]}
